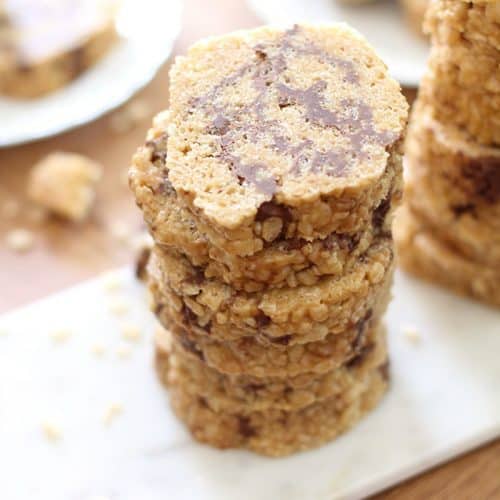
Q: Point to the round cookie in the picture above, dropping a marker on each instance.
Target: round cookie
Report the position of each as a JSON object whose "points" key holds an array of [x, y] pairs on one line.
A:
{"points": [[283, 262], [453, 22], [421, 253], [455, 184], [245, 394], [300, 314], [462, 87], [278, 133], [276, 432], [249, 356], [45, 45]]}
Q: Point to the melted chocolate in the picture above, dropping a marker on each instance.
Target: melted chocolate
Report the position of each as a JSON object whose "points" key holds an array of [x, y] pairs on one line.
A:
{"points": [[355, 119]]}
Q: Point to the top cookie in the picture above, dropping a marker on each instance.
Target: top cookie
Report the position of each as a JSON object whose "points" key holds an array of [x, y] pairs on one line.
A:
{"points": [[273, 122]]}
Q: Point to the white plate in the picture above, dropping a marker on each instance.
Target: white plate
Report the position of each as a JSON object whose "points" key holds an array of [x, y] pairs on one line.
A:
{"points": [[148, 29], [444, 400], [382, 23]]}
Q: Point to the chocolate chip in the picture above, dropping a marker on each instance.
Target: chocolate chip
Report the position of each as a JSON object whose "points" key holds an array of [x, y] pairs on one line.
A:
{"points": [[361, 327], [283, 340], [202, 402], [254, 387], [483, 176], [188, 315], [191, 347], [245, 427], [360, 357], [159, 148], [262, 319], [466, 208], [272, 209], [141, 263], [158, 309], [379, 214], [198, 276], [385, 371], [294, 244]]}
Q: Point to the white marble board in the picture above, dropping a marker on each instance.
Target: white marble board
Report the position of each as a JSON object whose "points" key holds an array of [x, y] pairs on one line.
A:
{"points": [[445, 399]]}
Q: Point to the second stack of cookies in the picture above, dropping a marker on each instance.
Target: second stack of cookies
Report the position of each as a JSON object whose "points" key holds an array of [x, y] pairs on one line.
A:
{"points": [[269, 188], [449, 230]]}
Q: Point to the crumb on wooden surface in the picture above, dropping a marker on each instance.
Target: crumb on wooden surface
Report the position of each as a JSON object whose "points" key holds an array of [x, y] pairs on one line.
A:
{"points": [[65, 184], [20, 240]]}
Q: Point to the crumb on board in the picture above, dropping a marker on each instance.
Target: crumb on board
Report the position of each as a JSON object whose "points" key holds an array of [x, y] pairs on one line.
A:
{"points": [[19, 240], [111, 281], [60, 336], [65, 184], [123, 352], [131, 332], [111, 412], [98, 350], [411, 333], [51, 431], [118, 306]]}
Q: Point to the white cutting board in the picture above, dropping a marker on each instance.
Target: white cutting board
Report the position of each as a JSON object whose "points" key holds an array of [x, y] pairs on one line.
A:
{"points": [[445, 399]]}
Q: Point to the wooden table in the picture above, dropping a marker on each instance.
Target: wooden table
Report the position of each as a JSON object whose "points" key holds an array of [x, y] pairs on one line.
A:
{"points": [[65, 253]]}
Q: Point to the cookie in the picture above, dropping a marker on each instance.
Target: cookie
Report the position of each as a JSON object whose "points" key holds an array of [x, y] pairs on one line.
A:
{"points": [[455, 184], [46, 44], [281, 134], [423, 253], [283, 262], [415, 13], [453, 22], [251, 356], [243, 394], [462, 87], [301, 314], [277, 432]]}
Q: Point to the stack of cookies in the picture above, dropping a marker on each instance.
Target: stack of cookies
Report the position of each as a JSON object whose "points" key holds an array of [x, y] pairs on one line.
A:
{"points": [[449, 230], [269, 187]]}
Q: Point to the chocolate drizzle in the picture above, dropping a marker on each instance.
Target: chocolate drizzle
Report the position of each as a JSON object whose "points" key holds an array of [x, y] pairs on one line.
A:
{"points": [[354, 120]]}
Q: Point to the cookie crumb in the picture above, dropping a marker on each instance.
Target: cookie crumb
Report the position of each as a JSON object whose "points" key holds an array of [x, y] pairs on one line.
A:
{"points": [[65, 184], [112, 411], [98, 350], [60, 336], [10, 209], [131, 333], [411, 334], [111, 282], [123, 352], [3, 332], [20, 240], [118, 307], [52, 431]]}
